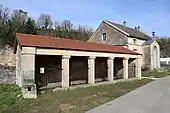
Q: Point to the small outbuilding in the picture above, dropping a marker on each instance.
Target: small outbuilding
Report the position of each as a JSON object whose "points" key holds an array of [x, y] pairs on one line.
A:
{"points": [[43, 61]]}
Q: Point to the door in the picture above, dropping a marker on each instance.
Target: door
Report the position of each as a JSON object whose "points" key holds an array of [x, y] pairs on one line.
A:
{"points": [[155, 57]]}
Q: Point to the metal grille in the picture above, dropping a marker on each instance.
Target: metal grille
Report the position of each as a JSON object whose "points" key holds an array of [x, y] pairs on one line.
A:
{"points": [[52, 74]]}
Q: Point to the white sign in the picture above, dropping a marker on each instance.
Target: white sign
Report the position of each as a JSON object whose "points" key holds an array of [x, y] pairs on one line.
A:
{"points": [[42, 70]]}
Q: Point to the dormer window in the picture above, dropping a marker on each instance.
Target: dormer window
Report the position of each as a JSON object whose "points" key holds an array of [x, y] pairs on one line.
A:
{"points": [[104, 37], [134, 41]]}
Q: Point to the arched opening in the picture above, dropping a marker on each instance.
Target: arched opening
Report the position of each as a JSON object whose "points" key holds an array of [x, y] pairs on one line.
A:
{"points": [[155, 60]]}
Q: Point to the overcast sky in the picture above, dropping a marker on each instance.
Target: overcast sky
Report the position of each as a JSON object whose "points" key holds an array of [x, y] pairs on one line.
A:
{"points": [[149, 14]]}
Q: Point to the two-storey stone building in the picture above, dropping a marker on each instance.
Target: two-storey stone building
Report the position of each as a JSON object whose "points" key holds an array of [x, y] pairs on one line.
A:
{"points": [[132, 38]]}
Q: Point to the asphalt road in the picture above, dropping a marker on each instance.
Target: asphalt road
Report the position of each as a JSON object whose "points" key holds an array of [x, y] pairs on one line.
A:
{"points": [[151, 98]]}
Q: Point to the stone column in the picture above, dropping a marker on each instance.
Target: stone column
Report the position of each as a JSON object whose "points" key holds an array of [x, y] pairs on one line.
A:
{"points": [[28, 72], [138, 68], [28, 69], [110, 63], [91, 70], [125, 68], [65, 71]]}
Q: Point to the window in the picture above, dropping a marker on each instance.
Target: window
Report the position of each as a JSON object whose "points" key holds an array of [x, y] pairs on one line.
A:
{"points": [[155, 48], [104, 37], [134, 49], [134, 40], [29, 88]]}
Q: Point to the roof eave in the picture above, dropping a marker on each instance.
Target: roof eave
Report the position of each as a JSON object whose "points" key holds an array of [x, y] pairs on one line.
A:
{"points": [[137, 37], [134, 53]]}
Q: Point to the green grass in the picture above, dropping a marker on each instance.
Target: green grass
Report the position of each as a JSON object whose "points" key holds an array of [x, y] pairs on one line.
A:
{"points": [[155, 74], [73, 101]]}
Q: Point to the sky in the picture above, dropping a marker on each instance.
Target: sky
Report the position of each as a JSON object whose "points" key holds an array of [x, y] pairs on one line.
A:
{"points": [[148, 14]]}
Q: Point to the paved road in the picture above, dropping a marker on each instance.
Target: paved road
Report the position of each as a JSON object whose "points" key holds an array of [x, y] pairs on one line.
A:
{"points": [[151, 98]]}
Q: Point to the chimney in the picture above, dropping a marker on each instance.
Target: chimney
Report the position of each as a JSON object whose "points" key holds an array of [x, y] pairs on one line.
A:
{"points": [[138, 28], [124, 23]]}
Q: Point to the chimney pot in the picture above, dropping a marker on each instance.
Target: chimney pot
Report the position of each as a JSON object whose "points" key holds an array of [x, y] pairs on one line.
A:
{"points": [[153, 33], [124, 23], [138, 28]]}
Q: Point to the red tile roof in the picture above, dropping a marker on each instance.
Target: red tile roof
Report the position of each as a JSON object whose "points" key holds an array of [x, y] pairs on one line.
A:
{"points": [[68, 44]]}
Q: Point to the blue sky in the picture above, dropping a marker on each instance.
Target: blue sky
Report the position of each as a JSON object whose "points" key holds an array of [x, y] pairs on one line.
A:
{"points": [[149, 14]]}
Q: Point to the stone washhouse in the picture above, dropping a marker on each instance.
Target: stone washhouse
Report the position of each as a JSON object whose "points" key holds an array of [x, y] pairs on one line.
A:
{"points": [[42, 61]]}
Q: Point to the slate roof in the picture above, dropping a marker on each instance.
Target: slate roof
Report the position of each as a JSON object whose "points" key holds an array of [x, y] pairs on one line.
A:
{"points": [[67, 44], [148, 42], [132, 32]]}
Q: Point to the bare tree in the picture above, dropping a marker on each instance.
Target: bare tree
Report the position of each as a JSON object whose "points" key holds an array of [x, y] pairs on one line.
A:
{"points": [[44, 21], [4, 26], [18, 20], [84, 32], [66, 25]]}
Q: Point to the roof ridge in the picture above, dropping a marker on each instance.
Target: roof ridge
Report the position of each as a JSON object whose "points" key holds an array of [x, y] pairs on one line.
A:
{"points": [[52, 37], [123, 26]]}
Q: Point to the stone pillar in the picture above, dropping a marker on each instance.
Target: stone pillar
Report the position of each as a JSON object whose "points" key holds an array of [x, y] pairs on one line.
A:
{"points": [[28, 68], [125, 68], [138, 68], [110, 63], [28, 85], [65, 71], [91, 70]]}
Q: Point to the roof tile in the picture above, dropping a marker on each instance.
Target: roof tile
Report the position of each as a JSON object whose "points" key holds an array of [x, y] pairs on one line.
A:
{"points": [[68, 44], [132, 32]]}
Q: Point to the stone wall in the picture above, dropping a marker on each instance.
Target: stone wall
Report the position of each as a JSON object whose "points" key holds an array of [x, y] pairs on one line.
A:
{"points": [[131, 68], [114, 37], [7, 65], [7, 56], [146, 57], [7, 74]]}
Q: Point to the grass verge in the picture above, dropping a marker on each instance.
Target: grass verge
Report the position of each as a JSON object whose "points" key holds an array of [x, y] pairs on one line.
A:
{"points": [[155, 74], [72, 101]]}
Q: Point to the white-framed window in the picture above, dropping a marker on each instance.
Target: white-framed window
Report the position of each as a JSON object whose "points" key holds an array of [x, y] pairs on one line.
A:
{"points": [[104, 37]]}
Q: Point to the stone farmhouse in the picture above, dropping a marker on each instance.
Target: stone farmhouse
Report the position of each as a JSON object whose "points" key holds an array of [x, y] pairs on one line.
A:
{"points": [[43, 61], [132, 38]]}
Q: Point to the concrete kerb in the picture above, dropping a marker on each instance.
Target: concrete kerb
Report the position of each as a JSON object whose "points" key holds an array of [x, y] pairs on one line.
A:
{"points": [[151, 78]]}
